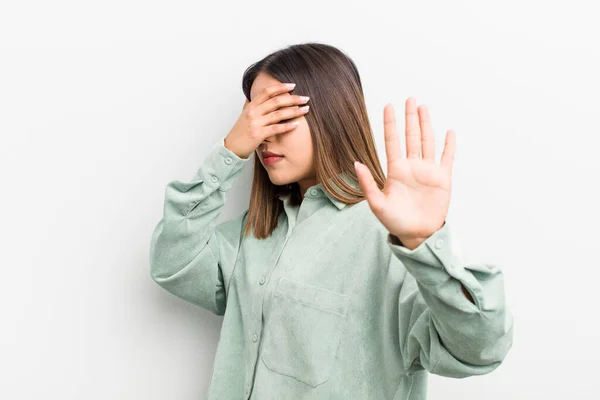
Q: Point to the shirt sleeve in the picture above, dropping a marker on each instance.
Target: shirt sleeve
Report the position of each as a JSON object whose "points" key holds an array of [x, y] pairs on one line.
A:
{"points": [[440, 329], [188, 249]]}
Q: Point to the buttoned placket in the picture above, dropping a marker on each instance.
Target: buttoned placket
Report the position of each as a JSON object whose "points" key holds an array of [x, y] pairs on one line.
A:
{"points": [[312, 193]]}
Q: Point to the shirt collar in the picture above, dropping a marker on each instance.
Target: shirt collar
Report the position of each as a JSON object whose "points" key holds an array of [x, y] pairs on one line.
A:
{"points": [[349, 179]]}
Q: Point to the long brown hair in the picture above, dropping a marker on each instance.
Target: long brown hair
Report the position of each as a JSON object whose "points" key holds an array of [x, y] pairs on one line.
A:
{"points": [[338, 122]]}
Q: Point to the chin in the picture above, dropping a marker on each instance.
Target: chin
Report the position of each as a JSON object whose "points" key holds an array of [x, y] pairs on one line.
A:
{"points": [[280, 181]]}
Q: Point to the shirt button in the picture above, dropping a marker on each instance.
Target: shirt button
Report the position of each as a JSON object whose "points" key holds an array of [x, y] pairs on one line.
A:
{"points": [[439, 243], [254, 337], [313, 191], [214, 179], [262, 280], [228, 160]]}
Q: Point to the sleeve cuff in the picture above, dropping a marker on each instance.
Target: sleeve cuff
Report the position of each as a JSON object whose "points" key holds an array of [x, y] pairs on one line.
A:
{"points": [[221, 167], [433, 260]]}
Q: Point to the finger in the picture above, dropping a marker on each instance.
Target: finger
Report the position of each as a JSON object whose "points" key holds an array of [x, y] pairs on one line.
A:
{"points": [[375, 197], [413, 132], [285, 114], [390, 132], [271, 91], [427, 138], [447, 160], [282, 101]]}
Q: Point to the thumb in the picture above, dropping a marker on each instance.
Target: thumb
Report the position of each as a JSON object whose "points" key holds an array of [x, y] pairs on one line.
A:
{"points": [[369, 187]]}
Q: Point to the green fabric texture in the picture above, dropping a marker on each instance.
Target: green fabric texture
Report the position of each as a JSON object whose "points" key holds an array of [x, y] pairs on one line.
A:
{"points": [[330, 306]]}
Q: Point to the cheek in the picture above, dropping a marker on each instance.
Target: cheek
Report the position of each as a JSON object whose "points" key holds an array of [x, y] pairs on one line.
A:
{"points": [[304, 150], [297, 144], [306, 140]]}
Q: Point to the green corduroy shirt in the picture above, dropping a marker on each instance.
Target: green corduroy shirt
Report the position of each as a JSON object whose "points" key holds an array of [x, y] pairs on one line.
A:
{"points": [[330, 306]]}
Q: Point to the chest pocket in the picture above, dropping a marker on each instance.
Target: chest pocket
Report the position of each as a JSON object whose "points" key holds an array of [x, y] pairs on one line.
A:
{"points": [[304, 331]]}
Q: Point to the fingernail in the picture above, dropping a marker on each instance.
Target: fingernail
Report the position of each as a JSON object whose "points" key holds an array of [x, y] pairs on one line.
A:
{"points": [[290, 85]]}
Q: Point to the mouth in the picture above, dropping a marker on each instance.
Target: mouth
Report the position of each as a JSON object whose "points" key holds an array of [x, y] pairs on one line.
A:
{"points": [[272, 159], [269, 154], [266, 154]]}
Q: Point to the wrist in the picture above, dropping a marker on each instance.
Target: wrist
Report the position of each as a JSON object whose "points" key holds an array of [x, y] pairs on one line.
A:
{"points": [[242, 156], [410, 243]]}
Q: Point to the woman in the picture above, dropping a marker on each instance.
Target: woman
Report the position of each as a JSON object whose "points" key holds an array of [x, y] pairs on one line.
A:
{"points": [[326, 295]]}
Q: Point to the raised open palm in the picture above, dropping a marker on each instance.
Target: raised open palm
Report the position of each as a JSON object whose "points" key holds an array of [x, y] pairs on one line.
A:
{"points": [[416, 197]]}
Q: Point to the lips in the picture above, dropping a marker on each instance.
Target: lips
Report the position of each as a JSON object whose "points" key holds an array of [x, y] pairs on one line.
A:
{"points": [[266, 154]]}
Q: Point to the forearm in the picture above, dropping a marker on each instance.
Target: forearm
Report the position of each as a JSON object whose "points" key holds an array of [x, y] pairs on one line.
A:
{"points": [[474, 335], [412, 244]]}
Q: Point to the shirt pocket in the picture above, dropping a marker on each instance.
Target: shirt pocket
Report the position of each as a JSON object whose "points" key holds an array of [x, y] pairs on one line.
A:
{"points": [[304, 331]]}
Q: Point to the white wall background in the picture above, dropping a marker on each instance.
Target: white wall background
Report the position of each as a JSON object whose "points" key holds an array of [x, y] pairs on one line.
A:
{"points": [[103, 103]]}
